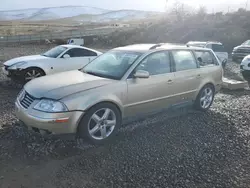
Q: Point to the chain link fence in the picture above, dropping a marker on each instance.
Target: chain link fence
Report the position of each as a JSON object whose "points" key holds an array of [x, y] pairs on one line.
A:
{"points": [[59, 35]]}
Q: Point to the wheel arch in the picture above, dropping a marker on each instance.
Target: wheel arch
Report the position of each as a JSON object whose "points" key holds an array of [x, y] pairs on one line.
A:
{"points": [[203, 85], [35, 67], [107, 101], [98, 103]]}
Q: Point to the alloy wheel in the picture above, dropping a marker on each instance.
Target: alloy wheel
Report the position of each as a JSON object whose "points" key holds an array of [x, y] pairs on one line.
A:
{"points": [[102, 123], [32, 74], [206, 98]]}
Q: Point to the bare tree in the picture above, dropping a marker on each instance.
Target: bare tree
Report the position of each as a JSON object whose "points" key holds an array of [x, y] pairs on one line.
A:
{"points": [[181, 10], [202, 10]]}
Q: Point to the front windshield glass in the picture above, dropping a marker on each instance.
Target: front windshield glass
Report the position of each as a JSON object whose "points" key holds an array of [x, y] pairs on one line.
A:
{"points": [[112, 64], [247, 42], [55, 52]]}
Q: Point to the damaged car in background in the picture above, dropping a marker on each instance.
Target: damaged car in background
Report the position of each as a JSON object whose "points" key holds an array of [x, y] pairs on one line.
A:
{"points": [[241, 51], [58, 59]]}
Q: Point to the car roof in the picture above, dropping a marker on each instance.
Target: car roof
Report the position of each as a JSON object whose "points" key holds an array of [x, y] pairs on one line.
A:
{"points": [[204, 42], [78, 46], [135, 47], [156, 47]]}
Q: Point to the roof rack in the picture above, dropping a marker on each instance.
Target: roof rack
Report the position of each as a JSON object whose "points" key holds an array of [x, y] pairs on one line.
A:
{"points": [[161, 44], [156, 45]]}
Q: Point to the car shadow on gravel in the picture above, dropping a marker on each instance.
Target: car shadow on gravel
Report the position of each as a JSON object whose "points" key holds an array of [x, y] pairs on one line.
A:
{"points": [[192, 150], [187, 149], [236, 93]]}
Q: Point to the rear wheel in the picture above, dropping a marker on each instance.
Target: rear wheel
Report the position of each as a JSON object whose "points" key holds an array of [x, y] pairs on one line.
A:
{"points": [[100, 123], [205, 98], [32, 73]]}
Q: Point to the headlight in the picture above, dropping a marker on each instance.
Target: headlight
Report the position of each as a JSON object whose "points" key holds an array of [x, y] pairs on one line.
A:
{"points": [[47, 105], [17, 65]]}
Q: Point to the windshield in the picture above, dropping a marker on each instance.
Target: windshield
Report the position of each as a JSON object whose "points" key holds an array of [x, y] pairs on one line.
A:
{"points": [[112, 64], [55, 52], [247, 42]]}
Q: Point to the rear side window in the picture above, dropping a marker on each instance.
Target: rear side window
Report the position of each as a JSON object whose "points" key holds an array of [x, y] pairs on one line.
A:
{"points": [[218, 48], [205, 58], [184, 60]]}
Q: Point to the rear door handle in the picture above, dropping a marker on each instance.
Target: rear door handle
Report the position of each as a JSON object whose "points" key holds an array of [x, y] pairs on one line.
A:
{"points": [[198, 76]]}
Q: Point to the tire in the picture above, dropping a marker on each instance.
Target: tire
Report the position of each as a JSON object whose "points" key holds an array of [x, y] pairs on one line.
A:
{"points": [[94, 125], [205, 99], [32, 73]]}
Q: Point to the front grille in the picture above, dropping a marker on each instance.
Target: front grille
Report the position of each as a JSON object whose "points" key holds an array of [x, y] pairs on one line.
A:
{"points": [[243, 50], [25, 99]]}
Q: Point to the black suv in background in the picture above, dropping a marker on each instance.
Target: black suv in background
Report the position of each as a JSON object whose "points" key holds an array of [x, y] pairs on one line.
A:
{"points": [[239, 52]]}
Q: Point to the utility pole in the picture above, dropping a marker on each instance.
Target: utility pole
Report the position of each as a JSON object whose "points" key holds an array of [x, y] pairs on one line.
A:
{"points": [[166, 5]]}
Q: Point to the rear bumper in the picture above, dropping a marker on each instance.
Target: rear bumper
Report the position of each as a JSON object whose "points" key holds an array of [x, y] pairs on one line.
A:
{"points": [[48, 123]]}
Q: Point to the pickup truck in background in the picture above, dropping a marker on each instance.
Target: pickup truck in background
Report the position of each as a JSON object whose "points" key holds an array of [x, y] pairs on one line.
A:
{"points": [[241, 51]]}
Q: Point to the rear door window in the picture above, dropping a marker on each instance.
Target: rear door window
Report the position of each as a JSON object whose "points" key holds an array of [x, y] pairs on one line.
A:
{"points": [[218, 48], [184, 60]]}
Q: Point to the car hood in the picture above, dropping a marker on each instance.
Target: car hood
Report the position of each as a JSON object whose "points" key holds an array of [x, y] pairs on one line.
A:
{"points": [[60, 85], [242, 46], [24, 58]]}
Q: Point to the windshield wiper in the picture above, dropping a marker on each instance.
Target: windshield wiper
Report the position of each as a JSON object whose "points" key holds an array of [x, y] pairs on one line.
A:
{"points": [[92, 73]]}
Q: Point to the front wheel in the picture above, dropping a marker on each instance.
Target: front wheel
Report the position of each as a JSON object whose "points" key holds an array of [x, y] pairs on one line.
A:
{"points": [[205, 98], [32, 73], [100, 123]]}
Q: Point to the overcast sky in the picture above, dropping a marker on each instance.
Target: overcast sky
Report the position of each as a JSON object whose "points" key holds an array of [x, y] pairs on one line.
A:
{"points": [[154, 5]]}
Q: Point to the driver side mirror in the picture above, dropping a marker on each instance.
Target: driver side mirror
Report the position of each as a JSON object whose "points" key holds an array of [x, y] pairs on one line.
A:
{"points": [[141, 74], [66, 56]]}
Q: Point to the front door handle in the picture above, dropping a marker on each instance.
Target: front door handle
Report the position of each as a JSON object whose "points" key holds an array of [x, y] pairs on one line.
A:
{"points": [[198, 76]]}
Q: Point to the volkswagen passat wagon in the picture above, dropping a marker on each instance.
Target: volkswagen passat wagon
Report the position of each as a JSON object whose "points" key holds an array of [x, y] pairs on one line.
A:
{"points": [[123, 83]]}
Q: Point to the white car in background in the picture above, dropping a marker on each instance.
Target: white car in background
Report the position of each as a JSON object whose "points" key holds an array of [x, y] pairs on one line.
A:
{"points": [[245, 68], [217, 47], [58, 59]]}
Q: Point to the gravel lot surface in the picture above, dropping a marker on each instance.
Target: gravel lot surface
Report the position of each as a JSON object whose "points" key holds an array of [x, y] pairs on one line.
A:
{"points": [[182, 148]]}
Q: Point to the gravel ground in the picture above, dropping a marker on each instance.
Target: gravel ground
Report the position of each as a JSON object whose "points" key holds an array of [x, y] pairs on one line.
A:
{"points": [[182, 148]]}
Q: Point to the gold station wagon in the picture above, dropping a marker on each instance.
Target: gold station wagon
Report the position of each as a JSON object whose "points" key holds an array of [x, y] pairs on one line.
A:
{"points": [[123, 83]]}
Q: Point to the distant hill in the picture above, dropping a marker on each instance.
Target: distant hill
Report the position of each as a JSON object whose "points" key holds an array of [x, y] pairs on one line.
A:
{"points": [[78, 13], [115, 16]]}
